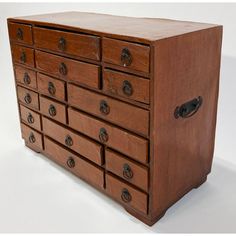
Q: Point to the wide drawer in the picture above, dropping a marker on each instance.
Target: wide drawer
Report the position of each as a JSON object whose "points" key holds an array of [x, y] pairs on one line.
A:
{"points": [[30, 117], [31, 137], [120, 140], [120, 113], [125, 85], [125, 54], [23, 55], [74, 163], [69, 43], [52, 109], [51, 87], [20, 33], [128, 170], [76, 71], [85, 147], [28, 97], [126, 194]]}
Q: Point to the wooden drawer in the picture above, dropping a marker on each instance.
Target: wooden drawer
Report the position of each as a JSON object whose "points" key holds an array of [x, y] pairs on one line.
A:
{"points": [[51, 87], [52, 109], [20, 33], [126, 194], [28, 97], [23, 55], [74, 164], [125, 85], [124, 142], [128, 170], [130, 55], [76, 142], [31, 137], [69, 43], [30, 117], [76, 71], [120, 113], [25, 76]]}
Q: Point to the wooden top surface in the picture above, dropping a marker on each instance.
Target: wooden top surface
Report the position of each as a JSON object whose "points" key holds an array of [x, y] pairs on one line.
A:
{"points": [[143, 29]]}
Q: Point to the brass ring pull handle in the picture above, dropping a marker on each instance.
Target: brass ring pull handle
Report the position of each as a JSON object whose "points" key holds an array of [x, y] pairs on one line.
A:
{"points": [[126, 57], [68, 141], [125, 195], [103, 135], [127, 171], [23, 57], [27, 98], [19, 34], [32, 138], [188, 109], [52, 110], [127, 88], [27, 79], [30, 118], [63, 69], [70, 162], [62, 44], [51, 88], [104, 107]]}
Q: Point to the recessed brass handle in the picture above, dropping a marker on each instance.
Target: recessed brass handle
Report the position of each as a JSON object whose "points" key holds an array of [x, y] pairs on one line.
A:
{"points": [[27, 79], [62, 69], [30, 118], [27, 98], [19, 34], [127, 171], [126, 57], [51, 88], [70, 162], [127, 88], [125, 195], [68, 141], [23, 57], [62, 44], [32, 138], [103, 135], [52, 110], [104, 107]]}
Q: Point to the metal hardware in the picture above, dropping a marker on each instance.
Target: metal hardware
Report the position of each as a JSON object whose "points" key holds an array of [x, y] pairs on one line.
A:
{"points": [[23, 57], [68, 141], [28, 98], [63, 69], [125, 195], [127, 172], [19, 34], [70, 162], [126, 57], [104, 107], [103, 135], [26, 78], [30, 118], [32, 138], [51, 88], [127, 88], [188, 109], [52, 110], [62, 44]]}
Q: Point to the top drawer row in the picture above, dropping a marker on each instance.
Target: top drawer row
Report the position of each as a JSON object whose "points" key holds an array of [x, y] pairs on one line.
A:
{"points": [[117, 52]]}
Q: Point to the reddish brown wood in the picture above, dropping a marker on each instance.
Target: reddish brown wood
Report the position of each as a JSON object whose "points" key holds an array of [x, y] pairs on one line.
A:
{"points": [[73, 44], [76, 71]]}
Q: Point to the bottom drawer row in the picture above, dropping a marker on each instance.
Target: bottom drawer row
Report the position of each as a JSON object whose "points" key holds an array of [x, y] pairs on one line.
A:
{"points": [[117, 189]]}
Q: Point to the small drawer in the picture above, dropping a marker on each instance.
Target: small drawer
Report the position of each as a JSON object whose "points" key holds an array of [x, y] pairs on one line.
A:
{"points": [[120, 113], [127, 86], [25, 76], [76, 71], [20, 33], [122, 141], [128, 170], [52, 109], [81, 168], [126, 194], [80, 144], [28, 97], [31, 137], [69, 43], [23, 55], [30, 117], [51, 87], [129, 55]]}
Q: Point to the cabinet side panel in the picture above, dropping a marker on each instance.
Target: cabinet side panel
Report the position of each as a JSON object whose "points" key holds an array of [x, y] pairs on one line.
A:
{"points": [[185, 67]]}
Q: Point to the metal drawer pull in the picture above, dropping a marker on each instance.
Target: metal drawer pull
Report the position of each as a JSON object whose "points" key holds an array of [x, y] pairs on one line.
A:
{"points": [[126, 57], [70, 162], [127, 88], [125, 195], [62, 44], [52, 110], [30, 118], [19, 34], [68, 141], [26, 78], [103, 136], [63, 69], [51, 88], [104, 107], [127, 171], [32, 138], [28, 98], [23, 57]]}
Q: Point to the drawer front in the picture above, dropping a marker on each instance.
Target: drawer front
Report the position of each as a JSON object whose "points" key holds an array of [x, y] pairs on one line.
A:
{"points": [[76, 142], [31, 137], [51, 87], [76, 71], [52, 109], [25, 76], [68, 43], [127, 86], [28, 97], [74, 164], [20, 33], [120, 113], [122, 141], [127, 169], [30, 117], [129, 55], [23, 55], [126, 194]]}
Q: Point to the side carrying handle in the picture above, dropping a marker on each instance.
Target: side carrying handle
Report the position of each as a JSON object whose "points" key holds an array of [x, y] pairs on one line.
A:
{"points": [[188, 109]]}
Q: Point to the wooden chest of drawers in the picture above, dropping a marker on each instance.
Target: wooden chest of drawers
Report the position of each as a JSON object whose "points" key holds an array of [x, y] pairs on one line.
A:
{"points": [[127, 104]]}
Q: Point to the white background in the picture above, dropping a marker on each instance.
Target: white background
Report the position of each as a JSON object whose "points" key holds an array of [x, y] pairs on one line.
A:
{"points": [[38, 196]]}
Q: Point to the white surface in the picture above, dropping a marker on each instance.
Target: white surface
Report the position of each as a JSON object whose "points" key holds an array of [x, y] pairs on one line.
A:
{"points": [[38, 196]]}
